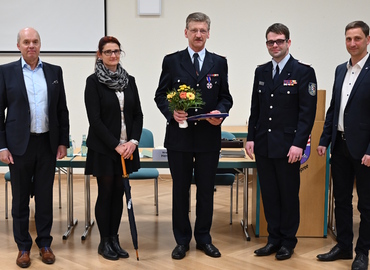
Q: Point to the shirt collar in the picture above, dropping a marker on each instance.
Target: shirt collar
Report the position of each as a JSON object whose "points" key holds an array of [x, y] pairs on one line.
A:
{"points": [[24, 64], [360, 63], [201, 54], [282, 63]]}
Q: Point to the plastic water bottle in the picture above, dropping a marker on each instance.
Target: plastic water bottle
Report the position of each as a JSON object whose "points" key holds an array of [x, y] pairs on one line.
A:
{"points": [[70, 148], [83, 146]]}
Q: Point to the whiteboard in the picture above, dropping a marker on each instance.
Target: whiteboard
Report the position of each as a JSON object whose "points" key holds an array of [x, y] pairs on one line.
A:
{"points": [[65, 26]]}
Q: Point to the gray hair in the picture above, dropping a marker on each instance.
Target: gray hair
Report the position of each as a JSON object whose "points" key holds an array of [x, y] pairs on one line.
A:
{"points": [[198, 17]]}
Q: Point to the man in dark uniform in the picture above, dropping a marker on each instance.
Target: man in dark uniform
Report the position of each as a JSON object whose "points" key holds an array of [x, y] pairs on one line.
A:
{"points": [[195, 148], [282, 115], [347, 128]]}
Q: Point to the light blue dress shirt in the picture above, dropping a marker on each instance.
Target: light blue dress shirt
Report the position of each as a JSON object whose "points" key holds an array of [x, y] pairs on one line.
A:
{"points": [[37, 96], [281, 64]]}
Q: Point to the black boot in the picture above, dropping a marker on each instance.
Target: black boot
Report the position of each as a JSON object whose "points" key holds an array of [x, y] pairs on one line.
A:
{"points": [[117, 248], [105, 249]]}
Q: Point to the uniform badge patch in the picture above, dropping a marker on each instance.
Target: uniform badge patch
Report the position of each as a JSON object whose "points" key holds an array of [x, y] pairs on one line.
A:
{"points": [[312, 89]]}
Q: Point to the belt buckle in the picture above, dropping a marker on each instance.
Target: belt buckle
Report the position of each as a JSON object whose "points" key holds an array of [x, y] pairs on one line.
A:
{"points": [[343, 136]]}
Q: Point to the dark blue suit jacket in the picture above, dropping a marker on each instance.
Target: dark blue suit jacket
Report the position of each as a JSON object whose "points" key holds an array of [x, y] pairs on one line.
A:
{"points": [[283, 114], [15, 128], [356, 113], [177, 69]]}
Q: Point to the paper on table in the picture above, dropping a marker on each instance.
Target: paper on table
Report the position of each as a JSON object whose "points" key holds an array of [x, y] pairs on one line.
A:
{"points": [[146, 153], [207, 115]]}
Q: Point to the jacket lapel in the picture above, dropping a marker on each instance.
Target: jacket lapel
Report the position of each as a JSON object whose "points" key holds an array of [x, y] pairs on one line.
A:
{"points": [[207, 65], [187, 64], [18, 72], [361, 76], [48, 78]]}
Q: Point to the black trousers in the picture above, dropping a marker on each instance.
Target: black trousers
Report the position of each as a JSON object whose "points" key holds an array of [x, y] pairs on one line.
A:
{"points": [[344, 171], [181, 166], [280, 182], [33, 172]]}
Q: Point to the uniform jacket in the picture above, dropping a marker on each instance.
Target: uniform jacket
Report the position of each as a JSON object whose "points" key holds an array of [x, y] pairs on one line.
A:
{"points": [[15, 127], [177, 69], [104, 114], [282, 115], [356, 113]]}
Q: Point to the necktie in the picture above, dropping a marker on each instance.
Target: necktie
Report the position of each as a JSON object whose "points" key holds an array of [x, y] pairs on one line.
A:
{"points": [[196, 63], [277, 71]]}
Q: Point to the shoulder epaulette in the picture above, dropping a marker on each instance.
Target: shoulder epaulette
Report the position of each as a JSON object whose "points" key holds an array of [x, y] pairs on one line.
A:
{"points": [[303, 63]]}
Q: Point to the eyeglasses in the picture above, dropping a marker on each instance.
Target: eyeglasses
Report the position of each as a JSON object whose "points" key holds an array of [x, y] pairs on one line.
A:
{"points": [[195, 31], [278, 42], [109, 52]]}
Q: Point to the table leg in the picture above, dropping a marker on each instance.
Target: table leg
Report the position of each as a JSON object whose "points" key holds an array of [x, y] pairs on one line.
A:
{"points": [[88, 221], [70, 221], [244, 221]]}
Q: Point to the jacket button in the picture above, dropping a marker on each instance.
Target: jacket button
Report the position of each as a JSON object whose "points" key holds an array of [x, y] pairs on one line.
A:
{"points": [[271, 107], [269, 130]]}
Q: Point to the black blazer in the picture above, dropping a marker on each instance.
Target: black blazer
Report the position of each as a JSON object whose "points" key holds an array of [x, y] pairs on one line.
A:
{"points": [[283, 114], [15, 129], [177, 69], [356, 113], [104, 114]]}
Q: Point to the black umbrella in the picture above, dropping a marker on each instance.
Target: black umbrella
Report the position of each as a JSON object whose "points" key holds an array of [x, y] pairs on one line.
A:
{"points": [[130, 209]]}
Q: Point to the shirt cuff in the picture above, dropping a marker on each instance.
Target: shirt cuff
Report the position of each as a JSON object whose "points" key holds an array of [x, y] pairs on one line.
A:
{"points": [[134, 142]]}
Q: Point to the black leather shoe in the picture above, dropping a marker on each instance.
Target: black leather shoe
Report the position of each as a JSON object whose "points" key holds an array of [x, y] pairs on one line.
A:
{"points": [[117, 247], [106, 250], [267, 250], [209, 249], [361, 262], [336, 253], [284, 253], [179, 252]]}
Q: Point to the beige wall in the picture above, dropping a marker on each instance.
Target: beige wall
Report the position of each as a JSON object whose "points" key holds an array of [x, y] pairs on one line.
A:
{"points": [[237, 32]]}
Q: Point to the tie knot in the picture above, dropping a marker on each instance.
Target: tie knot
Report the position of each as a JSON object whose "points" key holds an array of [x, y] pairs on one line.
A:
{"points": [[195, 55]]}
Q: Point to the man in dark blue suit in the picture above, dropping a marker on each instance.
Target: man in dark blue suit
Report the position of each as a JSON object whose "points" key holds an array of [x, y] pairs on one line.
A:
{"points": [[347, 128], [282, 115], [195, 148], [34, 129]]}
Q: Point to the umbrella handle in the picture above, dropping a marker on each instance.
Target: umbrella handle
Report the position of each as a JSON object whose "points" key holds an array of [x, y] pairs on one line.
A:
{"points": [[125, 174]]}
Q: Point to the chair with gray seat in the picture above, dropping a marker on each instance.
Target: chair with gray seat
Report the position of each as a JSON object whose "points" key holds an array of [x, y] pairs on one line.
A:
{"points": [[147, 140]]}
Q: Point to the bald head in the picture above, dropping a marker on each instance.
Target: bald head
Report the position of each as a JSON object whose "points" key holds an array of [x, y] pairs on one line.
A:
{"points": [[29, 43], [24, 30]]}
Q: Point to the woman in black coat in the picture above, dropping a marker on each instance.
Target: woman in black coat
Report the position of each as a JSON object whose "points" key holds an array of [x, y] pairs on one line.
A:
{"points": [[116, 119]]}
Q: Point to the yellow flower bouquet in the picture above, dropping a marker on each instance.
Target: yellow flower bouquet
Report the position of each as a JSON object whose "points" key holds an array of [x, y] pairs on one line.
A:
{"points": [[184, 98]]}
